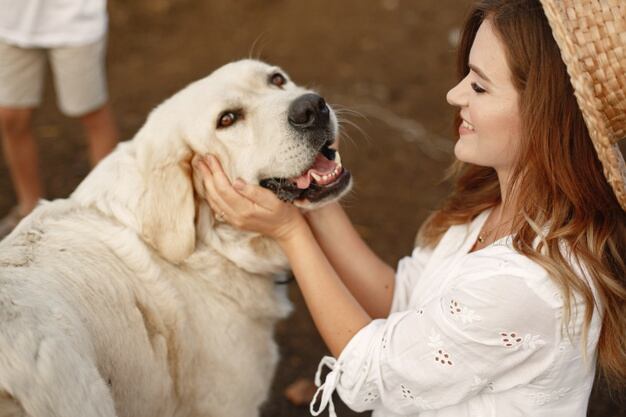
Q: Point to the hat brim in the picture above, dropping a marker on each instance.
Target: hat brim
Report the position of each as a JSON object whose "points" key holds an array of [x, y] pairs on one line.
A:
{"points": [[588, 33]]}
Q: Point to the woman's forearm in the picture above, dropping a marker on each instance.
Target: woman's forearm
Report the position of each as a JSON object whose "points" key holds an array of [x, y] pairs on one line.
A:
{"points": [[368, 278], [338, 316]]}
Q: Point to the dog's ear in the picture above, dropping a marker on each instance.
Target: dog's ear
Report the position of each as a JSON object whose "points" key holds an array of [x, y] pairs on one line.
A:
{"points": [[167, 210]]}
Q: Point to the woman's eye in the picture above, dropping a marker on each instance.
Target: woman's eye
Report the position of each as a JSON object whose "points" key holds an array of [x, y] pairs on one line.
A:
{"points": [[278, 79], [227, 119], [477, 88]]}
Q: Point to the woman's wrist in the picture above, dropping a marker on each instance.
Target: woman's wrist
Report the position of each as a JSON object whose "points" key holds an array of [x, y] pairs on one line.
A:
{"points": [[291, 232], [313, 216]]}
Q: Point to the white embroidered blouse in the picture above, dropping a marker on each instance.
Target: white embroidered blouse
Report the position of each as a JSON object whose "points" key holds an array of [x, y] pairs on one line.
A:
{"points": [[469, 335]]}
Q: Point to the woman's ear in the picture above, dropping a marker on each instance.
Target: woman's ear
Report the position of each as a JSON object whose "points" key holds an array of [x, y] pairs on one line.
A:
{"points": [[167, 210]]}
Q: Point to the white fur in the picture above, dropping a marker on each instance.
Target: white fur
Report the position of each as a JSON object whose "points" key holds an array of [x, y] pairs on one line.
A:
{"points": [[126, 299]]}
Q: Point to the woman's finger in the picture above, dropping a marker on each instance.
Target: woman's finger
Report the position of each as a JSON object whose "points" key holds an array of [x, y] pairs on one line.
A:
{"points": [[213, 197], [224, 188], [260, 196]]}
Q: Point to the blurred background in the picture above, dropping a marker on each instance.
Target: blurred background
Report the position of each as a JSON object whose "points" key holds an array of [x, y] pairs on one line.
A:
{"points": [[386, 65]]}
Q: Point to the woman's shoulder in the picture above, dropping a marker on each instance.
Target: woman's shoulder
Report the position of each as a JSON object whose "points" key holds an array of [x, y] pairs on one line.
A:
{"points": [[500, 263]]}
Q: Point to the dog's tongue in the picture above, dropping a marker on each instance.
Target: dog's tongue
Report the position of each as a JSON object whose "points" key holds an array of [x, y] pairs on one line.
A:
{"points": [[321, 166]]}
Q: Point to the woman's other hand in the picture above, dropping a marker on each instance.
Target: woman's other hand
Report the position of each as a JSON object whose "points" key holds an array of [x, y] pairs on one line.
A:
{"points": [[247, 206]]}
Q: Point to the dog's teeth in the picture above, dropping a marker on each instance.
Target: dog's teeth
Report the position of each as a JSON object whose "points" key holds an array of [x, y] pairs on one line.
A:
{"points": [[316, 177], [337, 158]]}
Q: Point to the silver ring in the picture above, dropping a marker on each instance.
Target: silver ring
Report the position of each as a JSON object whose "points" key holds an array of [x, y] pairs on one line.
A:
{"points": [[220, 216]]}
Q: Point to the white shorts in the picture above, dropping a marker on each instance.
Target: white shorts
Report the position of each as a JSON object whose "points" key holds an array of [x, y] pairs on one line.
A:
{"points": [[78, 71]]}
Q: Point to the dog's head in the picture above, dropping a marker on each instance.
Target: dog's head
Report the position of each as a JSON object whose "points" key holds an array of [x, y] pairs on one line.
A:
{"points": [[267, 130], [263, 128]]}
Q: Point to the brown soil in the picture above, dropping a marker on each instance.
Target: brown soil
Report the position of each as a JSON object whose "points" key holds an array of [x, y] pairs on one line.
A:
{"points": [[389, 60]]}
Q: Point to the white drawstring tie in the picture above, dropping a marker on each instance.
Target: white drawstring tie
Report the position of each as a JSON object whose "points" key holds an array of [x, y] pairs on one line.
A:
{"points": [[327, 388]]}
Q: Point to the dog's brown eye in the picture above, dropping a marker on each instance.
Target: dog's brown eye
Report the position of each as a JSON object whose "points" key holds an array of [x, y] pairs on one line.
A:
{"points": [[227, 119], [278, 79]]}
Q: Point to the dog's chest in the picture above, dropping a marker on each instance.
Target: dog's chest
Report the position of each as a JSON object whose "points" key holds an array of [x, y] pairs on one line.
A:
{"points": [[208, 334]]}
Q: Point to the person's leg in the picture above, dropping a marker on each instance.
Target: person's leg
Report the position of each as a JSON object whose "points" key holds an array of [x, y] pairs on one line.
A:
{"points": [[21, 85], [20, 152], [80, 79], [101, 132]]}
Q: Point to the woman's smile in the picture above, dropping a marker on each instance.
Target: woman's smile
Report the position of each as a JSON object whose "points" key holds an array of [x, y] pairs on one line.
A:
{"points": [[465, 128]]}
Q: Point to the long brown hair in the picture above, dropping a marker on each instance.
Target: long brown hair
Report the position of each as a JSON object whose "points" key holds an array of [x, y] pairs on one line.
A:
{"points": [[558, 180]]}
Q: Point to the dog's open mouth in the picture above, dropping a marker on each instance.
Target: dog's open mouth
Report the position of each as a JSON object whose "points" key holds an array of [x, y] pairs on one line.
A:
{"points": [[326, 177]]}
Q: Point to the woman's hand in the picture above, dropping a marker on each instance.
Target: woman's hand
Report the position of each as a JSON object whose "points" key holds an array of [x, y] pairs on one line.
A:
{"points": [[248, 206], [337, 314]]}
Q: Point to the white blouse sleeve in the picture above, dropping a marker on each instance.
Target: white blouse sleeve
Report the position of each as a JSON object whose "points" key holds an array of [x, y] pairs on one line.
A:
{"points": [[409, 270], [490, 334]]}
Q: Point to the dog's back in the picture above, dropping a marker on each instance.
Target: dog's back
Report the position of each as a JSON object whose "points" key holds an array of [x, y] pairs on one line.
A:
{"points": [[92, 320], [46, 365], [69, 319]]}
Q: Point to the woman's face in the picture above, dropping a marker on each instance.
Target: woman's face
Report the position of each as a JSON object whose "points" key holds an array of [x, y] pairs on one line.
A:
{"points": [[488, 103]]}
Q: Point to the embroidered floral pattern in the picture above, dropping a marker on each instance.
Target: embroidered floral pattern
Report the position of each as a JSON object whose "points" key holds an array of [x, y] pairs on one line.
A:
{"points": [[542, 398], [370, 397], [510, 339], [514, 340], [423, 404], [443, 357], [455, 307], [406, 392], [461, 312], [533, 342], [440, 355], [408, 395], [435, 340]]}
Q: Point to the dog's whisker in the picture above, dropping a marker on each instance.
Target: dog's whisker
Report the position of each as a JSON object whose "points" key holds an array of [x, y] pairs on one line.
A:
{"points": [[346, 135], [349, 113], [346, 108], [258, 39], [345, 121], [341, 109], [356, 127]]}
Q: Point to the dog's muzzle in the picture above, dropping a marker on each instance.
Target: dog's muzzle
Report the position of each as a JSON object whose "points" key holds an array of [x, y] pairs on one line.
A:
{"points": [[326, 177]]}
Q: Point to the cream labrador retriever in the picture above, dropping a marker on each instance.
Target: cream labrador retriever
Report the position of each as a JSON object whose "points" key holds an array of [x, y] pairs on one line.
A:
{"points": [[129, 298]]}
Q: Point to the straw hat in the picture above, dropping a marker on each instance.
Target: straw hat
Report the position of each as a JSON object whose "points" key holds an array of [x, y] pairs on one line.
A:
{"points": [[591, 35]]}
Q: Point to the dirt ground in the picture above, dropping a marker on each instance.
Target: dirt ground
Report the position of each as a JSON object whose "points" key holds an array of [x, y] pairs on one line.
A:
{"points": [[388, 61]]}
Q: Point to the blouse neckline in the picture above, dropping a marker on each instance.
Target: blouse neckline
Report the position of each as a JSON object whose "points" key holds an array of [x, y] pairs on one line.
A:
{"points": [[474, 229]]}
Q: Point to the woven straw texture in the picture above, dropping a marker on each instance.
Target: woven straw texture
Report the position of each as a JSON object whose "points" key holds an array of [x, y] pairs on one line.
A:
{"points": [[591, 35]]}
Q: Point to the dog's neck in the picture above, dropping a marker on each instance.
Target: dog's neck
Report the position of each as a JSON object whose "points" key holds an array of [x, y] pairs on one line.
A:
{"points": [[252, 252], [111, 187]]}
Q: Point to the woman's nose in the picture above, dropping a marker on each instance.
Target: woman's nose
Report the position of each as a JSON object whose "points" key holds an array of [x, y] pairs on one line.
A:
{"points": [[456, 96]]}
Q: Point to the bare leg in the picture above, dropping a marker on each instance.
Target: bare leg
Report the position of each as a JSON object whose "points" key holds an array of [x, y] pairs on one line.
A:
{"points": [[101, 132], [20, 151]]}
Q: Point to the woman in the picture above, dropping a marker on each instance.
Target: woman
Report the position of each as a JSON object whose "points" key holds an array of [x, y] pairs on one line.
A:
{"points": [[517, 286]]}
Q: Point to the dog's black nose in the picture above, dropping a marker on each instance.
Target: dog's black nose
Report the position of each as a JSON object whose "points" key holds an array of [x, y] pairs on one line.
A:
{"points": [[309, 111]]}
